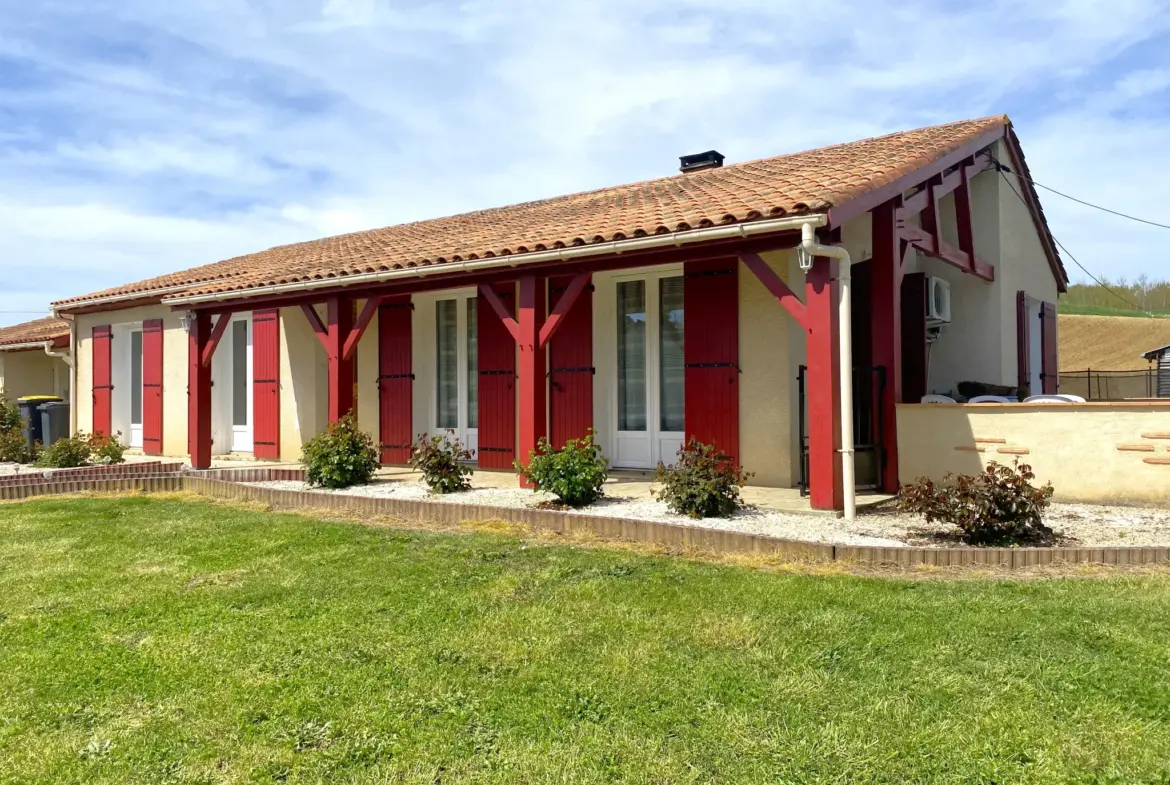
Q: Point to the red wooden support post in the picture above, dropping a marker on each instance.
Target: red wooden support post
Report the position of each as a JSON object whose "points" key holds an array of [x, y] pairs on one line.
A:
{"points": [[533, 411], [199, 391], [886, 332], [339, 322], [824, 390]]}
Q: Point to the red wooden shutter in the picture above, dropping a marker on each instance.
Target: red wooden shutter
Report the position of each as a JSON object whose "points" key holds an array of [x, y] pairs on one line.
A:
{"points": [[913, 337], [571, 368], [395, 379], [1023, 344], [497, 383], [152, 386], [102, 380], [711, 351], [1049, 366], [266, 383]]}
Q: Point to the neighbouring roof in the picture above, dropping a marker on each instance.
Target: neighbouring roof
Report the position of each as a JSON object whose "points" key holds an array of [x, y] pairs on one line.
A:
{"points": [[1156, 354], [807, 182], [38, 330]]}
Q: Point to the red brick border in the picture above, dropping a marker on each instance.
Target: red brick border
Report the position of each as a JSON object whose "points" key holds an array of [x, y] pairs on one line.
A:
{"points": [[225, 484], [35, 476]]}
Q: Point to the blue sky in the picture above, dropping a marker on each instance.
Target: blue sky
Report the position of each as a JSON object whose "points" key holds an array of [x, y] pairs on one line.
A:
{"points": [[139, 137]]}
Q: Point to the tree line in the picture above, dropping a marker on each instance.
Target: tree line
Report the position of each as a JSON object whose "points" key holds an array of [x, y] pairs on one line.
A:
{"points": [[1120, 294]]}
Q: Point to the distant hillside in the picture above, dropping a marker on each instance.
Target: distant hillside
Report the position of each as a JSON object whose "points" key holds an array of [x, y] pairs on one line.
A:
{"points": [[1108, 343]]}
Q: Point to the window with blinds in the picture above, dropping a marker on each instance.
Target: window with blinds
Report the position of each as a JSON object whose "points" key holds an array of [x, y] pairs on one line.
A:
{"points": [[136, 377], [240, 379], [447, 365], [670, 354], [472, 363], [631, 307]]}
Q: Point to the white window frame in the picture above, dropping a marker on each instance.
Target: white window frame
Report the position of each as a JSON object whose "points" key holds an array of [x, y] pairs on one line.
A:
{"points": [[425, 346], [631, 449], [227, 437]]}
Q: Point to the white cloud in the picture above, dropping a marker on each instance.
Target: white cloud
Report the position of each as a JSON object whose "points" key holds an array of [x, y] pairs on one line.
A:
{"points": [[147, 137]]}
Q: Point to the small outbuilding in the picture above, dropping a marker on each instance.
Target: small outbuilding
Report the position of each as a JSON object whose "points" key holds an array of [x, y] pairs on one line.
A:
{"points": [[1161, 356]]}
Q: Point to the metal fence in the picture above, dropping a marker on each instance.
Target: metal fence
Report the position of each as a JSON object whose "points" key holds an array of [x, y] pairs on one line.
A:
{"points": [[1093, 385]]}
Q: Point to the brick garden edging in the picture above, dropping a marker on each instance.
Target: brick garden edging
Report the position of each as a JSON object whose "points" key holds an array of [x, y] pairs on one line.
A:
{"points": [[137, 469], [225, 484]]}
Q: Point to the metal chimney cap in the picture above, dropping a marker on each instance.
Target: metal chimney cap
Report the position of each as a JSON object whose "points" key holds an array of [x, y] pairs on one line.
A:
{"points": [[712, 159]]}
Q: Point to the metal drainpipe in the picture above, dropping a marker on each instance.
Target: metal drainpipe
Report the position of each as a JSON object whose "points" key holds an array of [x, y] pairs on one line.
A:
{"points": [[845, 340]]}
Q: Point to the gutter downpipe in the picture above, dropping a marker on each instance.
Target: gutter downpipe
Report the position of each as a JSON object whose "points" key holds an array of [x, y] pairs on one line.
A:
{"points": [[845, 341]]}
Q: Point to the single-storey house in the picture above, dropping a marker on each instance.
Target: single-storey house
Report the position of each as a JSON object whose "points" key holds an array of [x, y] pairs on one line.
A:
{"points": [[35, 358], [651, 312]]}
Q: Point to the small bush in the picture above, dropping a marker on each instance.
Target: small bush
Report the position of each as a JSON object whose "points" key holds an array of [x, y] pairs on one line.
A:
{"points": [[442, 461], [106, 450], [999, 506], [575, 473], [13, 447], [703, 483], [342, 456], [66, 453]]}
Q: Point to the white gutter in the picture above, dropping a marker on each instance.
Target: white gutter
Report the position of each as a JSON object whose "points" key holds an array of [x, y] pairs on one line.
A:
{"points": [[845, 339], [615, 247], [66, 355], [56, 309], [17, 347]]}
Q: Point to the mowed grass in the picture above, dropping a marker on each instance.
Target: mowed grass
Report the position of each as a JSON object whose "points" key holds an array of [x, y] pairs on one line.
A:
{"points": [[154, 640]]}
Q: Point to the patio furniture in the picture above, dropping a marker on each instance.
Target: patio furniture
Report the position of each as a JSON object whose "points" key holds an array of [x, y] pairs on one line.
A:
{"points": [[990, 399], [937, 399]]}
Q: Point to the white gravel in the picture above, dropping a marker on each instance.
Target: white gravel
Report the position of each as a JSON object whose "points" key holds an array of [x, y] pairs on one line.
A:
{"points": [[1078, 524]]}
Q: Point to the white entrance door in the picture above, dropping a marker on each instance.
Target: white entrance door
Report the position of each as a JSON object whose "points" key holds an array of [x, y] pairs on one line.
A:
{"points": [[241, 384], [136, 389], [649, 369], [456, 400]]}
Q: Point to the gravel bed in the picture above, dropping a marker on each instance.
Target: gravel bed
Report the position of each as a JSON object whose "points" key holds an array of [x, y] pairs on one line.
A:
{"points": [[1077, 524]]}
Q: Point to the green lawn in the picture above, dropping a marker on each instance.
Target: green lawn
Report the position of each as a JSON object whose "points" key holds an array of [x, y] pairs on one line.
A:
{"points": [[146, 640]]}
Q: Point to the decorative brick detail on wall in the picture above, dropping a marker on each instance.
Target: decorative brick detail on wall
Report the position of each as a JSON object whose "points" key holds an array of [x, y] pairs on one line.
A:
{"points": [[1013, 451], [1135, 448], [990, 440], [1157, 461], [1157, 435]]}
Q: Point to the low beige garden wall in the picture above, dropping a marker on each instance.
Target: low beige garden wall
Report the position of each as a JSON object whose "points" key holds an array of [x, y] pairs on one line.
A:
{"points": [[1090, 452]]}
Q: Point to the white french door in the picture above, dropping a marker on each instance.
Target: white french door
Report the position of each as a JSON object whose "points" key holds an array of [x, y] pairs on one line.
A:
{"points": [[649, 369], [456, 386], [135, 382], [241, 384]]}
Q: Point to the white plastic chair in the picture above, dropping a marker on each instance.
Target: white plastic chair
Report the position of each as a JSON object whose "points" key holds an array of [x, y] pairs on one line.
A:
{"points": [[1071, 398], [990, 399], [1046, 399], [937, 399]]}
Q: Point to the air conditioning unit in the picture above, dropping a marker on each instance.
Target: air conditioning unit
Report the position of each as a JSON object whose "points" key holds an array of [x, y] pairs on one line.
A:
{"points": [[938, 301]]}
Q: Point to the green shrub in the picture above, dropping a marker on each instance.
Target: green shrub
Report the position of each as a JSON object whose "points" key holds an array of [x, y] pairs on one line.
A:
{"points": [[703, 483], [13, 447], [106, 450], [66, 453], [442, 461], [342, 456], [999, 506], [574, 473]]}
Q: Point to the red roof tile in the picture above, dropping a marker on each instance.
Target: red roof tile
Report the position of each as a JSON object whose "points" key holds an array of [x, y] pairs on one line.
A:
{"points": [[810, 181], [46, 329]]}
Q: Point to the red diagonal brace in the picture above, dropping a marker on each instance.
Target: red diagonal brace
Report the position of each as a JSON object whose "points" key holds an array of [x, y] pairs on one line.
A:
{"points": [[213, 341], [777, 287], [359, 328], [570, 296], [316, 323], [493, 299]]}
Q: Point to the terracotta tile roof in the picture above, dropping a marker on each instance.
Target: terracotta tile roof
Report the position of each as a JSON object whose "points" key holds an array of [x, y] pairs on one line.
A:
{"points": [[810, 181], [46, 329]]}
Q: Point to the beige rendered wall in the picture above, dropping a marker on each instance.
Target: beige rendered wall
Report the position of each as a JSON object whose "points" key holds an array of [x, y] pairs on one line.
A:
{"points": [[766, 389], [31, 372], [1095, 452], [304, 376], [174, 369]]}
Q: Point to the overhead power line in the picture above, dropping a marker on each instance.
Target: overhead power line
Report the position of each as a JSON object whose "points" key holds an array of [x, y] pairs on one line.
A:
{"points": [[1005, 168], [1067, 253]]}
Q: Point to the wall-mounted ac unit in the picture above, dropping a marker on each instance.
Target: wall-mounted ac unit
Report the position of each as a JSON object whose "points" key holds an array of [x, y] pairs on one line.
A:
{"points": [[938, 301]]}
